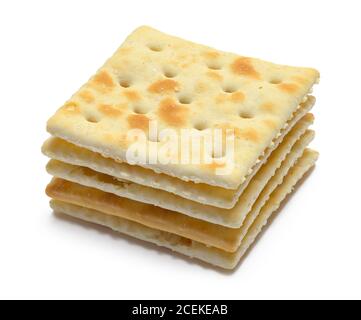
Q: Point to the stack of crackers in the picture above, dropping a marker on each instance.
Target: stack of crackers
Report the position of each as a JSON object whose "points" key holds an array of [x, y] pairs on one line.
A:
{"points": [[119, 157]]}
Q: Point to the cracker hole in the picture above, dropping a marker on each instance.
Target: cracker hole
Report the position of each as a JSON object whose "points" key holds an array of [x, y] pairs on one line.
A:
{"points": [[201, 126], [246, 115], [213, 65], [275, 81], [155, 47], [125, 83], [92, 119], [169, 73], [229, 89], [140, 110], [185, 99]]}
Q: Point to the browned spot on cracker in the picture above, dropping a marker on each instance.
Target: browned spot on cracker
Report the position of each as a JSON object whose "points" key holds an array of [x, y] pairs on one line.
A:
{"points": [[132, 95], [221, 98], [172, 113], [164, 86], [249, 134], [270, 123], [109, 110], [104, 79], [268, 107], [243, 66], [211, 54], [237, 96], [288, 87], [71, 107], [214, 75], [138, 121], [108, 137], [87, 96], [214, 165]]}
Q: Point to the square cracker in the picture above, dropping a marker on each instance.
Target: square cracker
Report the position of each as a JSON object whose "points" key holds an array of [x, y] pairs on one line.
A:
{"points": [[186, 246], [180, 84], [227, 239], [58, 149], [294, 142]]}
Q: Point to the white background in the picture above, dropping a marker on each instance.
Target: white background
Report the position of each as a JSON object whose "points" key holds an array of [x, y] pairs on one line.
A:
{"points": [[49, 48]]}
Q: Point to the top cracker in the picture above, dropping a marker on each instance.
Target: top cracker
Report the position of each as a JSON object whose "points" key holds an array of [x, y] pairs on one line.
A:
{"points": [[183, 85]]}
